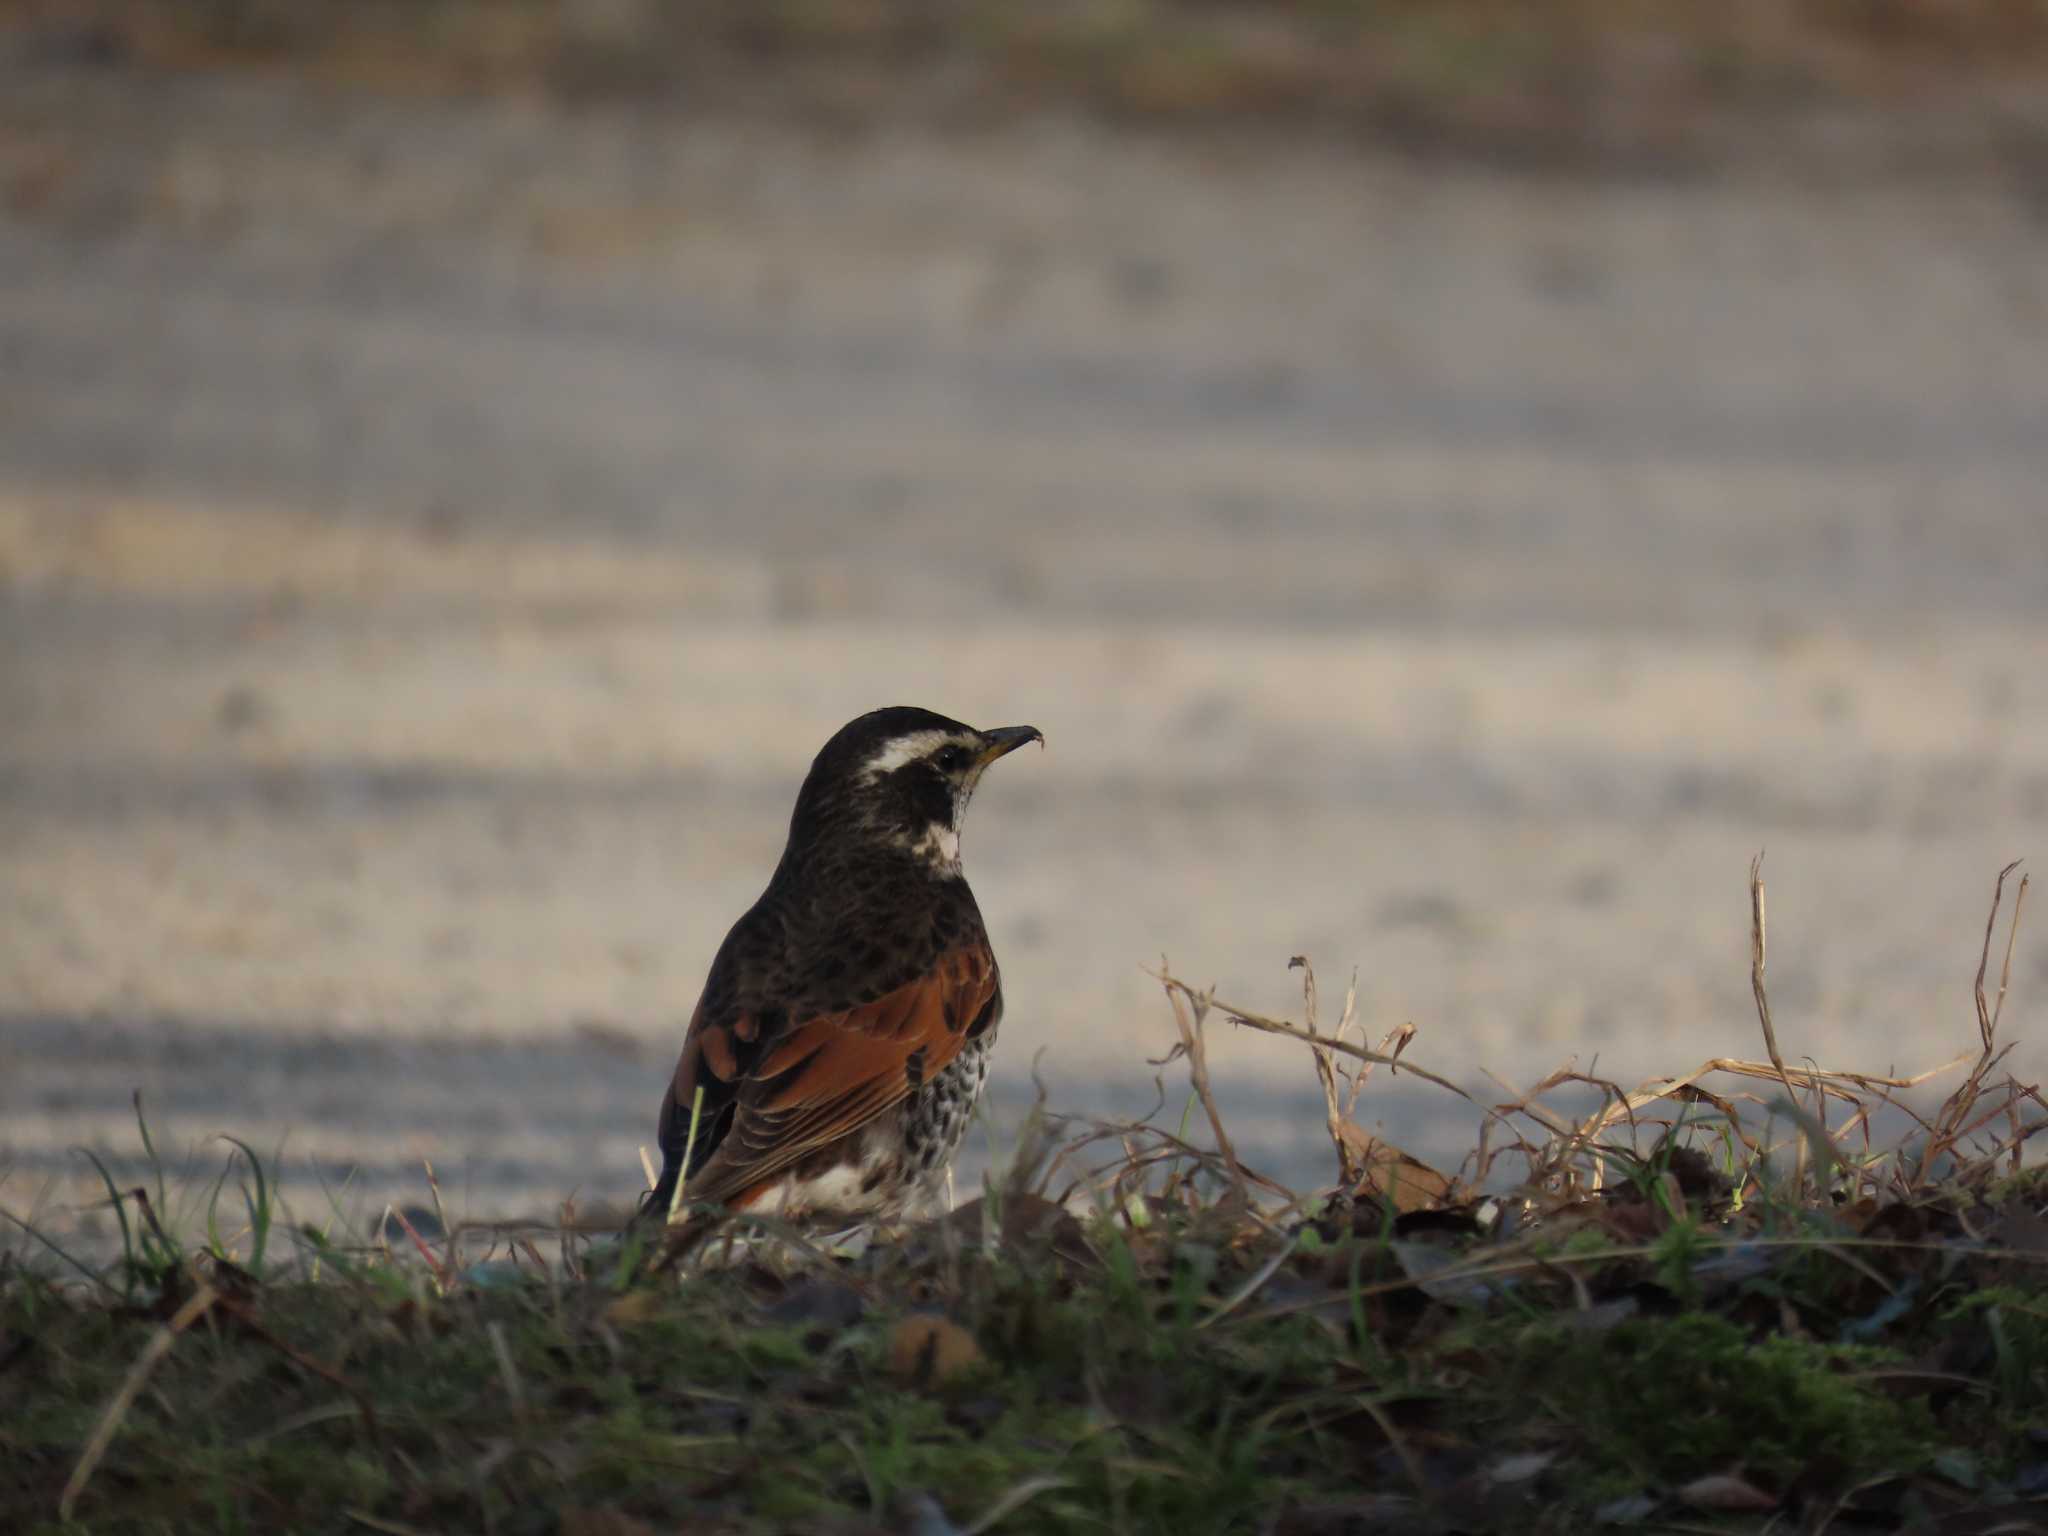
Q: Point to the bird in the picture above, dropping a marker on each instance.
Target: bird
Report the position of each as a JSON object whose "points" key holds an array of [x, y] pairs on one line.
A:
{"points": [[842, 1037]]}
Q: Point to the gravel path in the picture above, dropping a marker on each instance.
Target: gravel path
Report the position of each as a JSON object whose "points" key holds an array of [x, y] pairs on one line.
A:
{"points": [[433, 538]]}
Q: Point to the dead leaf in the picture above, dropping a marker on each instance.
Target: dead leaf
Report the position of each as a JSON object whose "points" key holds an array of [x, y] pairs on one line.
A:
{"points": [[633, 1307], [1408, 1183], [926, 1350]]}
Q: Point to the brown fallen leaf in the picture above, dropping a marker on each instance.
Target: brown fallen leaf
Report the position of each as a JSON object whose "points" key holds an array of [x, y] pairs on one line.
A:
{"points": [[633, 1307], [1408, 1183], [926, 1350]]}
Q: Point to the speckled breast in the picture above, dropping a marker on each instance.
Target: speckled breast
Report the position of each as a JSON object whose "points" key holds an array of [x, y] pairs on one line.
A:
{"points": [[935, 1116]]}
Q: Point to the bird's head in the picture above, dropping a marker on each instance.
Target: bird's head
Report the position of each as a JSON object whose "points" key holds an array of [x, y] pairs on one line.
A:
{"points": [[903, 777]]}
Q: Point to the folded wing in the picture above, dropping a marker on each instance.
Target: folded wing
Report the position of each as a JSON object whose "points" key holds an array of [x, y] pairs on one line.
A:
{"points": [[775, 1092]]}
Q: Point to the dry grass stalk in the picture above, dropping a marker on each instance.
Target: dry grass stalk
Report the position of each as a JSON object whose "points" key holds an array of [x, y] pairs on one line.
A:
{"points": [[1190, 1009], [1350, 1162], [1571, 1157], [1126, 1175], [1758, 951], [1958, 1117], [1986, 1025], [1259, 1021], [159, 1345], [2012, 933]]}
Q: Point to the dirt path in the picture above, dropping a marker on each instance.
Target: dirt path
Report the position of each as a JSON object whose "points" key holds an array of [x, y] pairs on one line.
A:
{"points": [[434, 536]]}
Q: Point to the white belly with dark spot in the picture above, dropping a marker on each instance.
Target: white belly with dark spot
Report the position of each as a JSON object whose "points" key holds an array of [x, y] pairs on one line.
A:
{"points": [[902, 1158]]}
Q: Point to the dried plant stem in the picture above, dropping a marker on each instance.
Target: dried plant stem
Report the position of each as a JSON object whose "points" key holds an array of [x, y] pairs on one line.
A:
{"points": [[1391, 1045], [1251, 1020], [2019, 901], [1813, 1079], [1950, 1124], [1987, 1021], [1758, 951], [159, 1345], [2013, 1097], [1190, 1009], [1350, 1169]]}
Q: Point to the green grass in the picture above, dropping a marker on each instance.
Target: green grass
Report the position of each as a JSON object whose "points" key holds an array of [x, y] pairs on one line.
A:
{"points": [[1693, 1309], [1191, 1372], [1658, 1401]]}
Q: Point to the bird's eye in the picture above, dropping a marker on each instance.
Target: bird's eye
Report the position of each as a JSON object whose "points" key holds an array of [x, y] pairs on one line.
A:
{"points": [[950, 759]]}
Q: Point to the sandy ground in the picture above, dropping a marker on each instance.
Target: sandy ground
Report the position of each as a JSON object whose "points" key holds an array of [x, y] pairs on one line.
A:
{"points": [[433, 538]]}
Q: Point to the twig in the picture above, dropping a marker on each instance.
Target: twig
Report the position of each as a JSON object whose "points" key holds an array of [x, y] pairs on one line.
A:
{"points": [[1190, 1008], [1251, 1020]]}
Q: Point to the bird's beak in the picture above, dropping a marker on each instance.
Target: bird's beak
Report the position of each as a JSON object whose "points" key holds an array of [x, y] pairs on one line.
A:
{"points": [[1007, 738]]}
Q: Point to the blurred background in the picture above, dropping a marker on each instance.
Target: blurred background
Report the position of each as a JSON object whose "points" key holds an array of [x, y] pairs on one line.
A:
{"points": [[1452, 481]]}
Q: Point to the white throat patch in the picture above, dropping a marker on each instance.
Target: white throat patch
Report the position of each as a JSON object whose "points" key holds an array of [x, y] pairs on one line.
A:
{"points": [[940, 848]]}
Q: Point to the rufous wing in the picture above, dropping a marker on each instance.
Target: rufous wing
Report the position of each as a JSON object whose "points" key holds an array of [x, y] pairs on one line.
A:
{"points": [[797, 1089]]}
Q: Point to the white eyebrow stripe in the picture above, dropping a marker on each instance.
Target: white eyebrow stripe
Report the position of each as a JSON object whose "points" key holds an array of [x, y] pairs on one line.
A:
{"points": [[905, 749]]}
